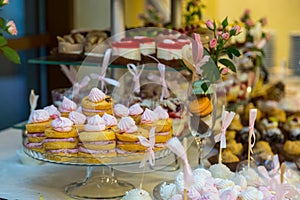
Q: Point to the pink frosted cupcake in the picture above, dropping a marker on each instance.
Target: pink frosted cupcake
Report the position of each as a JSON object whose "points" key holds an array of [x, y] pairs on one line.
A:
{"points": [[53, 111], [110, 121], [120, 111], [135, 112]]}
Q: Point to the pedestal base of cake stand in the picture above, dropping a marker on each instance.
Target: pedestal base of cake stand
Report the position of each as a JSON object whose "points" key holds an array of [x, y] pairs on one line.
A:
{"points": [[102, 186]]}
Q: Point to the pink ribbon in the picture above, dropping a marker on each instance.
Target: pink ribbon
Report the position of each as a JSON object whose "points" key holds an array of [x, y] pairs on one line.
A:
{"points": [[136, 75], [150, 148], [197, 51], [177, 148], [252, 117], [227, 118], [102, 77], [164, 91], [276, 165], [79, 85]]}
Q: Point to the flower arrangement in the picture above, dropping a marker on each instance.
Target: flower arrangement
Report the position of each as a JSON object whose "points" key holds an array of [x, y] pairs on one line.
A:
{"points": [[10, 28], [219, 45], [193, 12], [151, 17]]}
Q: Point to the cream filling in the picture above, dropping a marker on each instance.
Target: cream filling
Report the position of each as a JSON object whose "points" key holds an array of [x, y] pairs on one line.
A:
{"points": [[147, 48], [169, 54], [129, 53]]}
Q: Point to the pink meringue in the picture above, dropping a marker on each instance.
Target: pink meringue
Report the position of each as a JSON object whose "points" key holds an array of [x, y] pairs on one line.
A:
{"points": [[109, 120], [161, 113], [121, 110], [149, 116], [95, 123], [135, 109], [127, 125], [68, 105], [53, 111], [62, 124], [37, 116], [77, 117], [96, 95]]}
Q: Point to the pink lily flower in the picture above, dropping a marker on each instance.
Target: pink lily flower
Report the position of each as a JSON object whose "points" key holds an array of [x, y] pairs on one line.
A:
{"points": [[12, 29]]}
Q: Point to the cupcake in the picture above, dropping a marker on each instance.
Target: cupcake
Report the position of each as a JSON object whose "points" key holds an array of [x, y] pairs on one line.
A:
{"points": [[38, 121], [78, 119], [97, 142], [67, 106], [135, 112], [127, 137], [97, 103], [61, 143]]}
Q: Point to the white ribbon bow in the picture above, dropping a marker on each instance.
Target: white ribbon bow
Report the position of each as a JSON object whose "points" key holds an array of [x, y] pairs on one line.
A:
{"points": [[164, 91], [227, 118], [102, 77], [136, 76], [177, 148], [150, 148], [79, 85], [33, 100], [252, 117]]}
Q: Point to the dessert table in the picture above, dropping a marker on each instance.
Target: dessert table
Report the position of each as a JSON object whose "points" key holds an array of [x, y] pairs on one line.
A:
{"points": [[24, 178]]}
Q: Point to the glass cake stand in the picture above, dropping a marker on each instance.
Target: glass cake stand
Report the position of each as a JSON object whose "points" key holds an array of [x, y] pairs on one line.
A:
{"points": [[103, 185]]}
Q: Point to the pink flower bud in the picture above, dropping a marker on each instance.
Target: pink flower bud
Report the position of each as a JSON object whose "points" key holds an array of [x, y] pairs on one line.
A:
{"points": [[237, 29], [225, 36], [12, 29], [213, 43], [225, 70], [210, 24], [264, 21], [5, 2], [249, 22], [247, 11], [219, 33]]}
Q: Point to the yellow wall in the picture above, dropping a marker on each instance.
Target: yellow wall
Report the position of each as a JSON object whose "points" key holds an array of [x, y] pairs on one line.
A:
{"points": [[283, 18], [132, 9]]}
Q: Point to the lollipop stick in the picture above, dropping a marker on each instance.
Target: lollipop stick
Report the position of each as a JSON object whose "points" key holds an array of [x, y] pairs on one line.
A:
{"points": [[220, 155], [282, 171], [184, 142], [249, 152]]}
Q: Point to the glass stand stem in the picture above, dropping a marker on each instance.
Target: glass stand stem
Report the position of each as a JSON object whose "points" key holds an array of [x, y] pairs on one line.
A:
{"points": [[102, 186], [199, 142]]}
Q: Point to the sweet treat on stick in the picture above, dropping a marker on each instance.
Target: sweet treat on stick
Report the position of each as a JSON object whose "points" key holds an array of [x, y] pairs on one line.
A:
{"points": [[38, 121], [97, 103], [137, 194], [67, 106], [61, 141]]}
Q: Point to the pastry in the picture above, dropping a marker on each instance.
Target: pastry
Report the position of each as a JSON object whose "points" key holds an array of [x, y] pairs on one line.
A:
{"points": [[61, 143], [53, 111], [97, 103], [169, 50], [148, 120], [135, 112], [236, 124], [110, 121], [147, 45], [292, 127], [67, 106], [97, 142], [71, 44], [38, 121], [292, 148], [271, 132], [120, 111], [234, 147], [78, 119], [201, 106], [263, 150], [163, 126], [127, 49], [127, 136]]}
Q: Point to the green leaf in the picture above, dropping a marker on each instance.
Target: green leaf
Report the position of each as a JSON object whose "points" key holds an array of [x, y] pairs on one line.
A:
{"points": [[228, 64], [234, 51], [225, 23], [229, 54], [2, 41], [11, 54], [2, 23]]}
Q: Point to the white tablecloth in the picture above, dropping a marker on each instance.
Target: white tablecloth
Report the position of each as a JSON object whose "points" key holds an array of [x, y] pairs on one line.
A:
{"points": [[24, 181]]}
